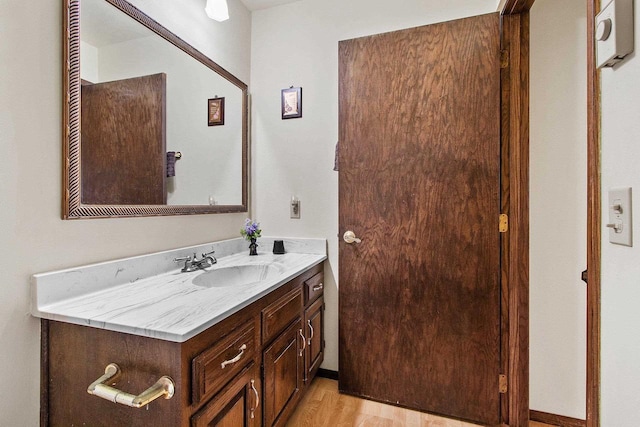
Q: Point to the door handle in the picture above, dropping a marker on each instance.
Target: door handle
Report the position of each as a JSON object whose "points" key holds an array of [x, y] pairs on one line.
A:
{"points": [[350, 237]]}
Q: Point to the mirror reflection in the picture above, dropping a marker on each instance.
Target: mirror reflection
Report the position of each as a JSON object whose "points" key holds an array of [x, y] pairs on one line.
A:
{"points": [[157, 126]]}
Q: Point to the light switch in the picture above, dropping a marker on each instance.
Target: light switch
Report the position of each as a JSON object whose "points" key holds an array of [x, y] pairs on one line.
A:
{"points": [[620, 219], [294, 208], [614, 32]]}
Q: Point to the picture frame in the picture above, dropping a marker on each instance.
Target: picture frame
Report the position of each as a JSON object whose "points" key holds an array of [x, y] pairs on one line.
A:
{"points": [[291, 103], [215, 111]]}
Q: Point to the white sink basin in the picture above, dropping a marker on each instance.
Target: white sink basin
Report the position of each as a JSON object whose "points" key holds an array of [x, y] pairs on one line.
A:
{"points": [[236, 275]]}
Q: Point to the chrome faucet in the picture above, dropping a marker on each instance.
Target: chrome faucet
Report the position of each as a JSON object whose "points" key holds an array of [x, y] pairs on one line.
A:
{"points": [[193, 264], [207, 260]]}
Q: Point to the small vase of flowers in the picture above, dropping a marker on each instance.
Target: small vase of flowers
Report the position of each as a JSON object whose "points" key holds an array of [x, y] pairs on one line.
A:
{"points": [[251, 231]]}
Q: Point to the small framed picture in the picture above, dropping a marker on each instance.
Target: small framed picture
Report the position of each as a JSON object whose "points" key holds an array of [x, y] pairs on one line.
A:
{"points": [[216, 111], [291, 103]]}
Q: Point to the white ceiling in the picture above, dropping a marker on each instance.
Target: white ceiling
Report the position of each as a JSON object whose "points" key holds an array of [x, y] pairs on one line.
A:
{"points": [[264, 4]]}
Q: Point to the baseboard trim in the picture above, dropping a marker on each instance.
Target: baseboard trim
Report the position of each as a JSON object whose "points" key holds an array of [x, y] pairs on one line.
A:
{"points": [[556, 420], [327, 373]]}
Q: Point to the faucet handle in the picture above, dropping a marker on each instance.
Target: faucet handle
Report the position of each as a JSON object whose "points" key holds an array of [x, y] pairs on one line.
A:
{"points": [[206, 254], [187, 262]]}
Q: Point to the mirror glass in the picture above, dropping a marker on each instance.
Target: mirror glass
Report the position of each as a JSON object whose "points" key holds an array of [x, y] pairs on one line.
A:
{"points": [[162, 129]]}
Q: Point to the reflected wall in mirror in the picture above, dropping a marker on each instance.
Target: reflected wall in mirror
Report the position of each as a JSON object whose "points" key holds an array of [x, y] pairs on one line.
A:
{"points": [[136, 94]]}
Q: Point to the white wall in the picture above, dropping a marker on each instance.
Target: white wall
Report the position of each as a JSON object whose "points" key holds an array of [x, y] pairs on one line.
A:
{"points": [[558, 203], [297, 44], [620, 265], [89, 65], [34, 238]]}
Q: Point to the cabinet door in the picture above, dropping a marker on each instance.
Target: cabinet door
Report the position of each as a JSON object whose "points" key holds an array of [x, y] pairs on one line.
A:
{"points": [[283, 374], [237, 405], [314, 324]]}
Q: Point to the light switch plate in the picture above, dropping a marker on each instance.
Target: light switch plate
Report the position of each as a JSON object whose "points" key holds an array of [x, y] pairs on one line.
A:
{"points": [[614, 32], [620, 216], [294, 208]]}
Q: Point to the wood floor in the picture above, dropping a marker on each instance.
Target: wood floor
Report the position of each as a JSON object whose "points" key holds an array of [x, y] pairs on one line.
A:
{"points": [[323, 406]]}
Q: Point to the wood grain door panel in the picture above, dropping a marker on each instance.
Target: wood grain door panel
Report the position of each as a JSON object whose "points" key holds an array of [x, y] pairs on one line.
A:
{"points": [[236, 405], [419, 183], [124, 142], [314, 324], [283, 375]]}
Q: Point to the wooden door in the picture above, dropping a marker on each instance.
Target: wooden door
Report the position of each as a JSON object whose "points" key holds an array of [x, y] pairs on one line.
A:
{"points": [[419, 304], [123, 145], [283, 363]]}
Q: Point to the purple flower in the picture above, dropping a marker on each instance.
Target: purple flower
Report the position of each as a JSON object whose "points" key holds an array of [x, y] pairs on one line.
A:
{"points": [[251, 229]]}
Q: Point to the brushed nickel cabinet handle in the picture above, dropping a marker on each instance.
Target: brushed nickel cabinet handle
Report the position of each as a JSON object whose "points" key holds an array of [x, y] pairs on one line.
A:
{"points": [[253, 387], [242, 348], [304, 343], [319, 287], [163, 387], [311, 329]]}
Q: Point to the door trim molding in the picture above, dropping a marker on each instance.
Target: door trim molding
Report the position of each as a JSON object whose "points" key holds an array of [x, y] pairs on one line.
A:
{"points": [[594, 216], [515, 202], [514, 7], [510, 8]]}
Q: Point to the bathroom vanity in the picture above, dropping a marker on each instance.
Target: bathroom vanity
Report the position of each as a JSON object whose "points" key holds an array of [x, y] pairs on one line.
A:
{"points": [[239, 354]]}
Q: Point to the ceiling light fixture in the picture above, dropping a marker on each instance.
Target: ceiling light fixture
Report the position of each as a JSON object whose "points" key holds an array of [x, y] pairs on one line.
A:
{"points": [[217, 10]]}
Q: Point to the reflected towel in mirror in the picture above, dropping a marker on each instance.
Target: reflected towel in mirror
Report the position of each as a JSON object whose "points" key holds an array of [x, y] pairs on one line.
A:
{"points": [[171, 164]]}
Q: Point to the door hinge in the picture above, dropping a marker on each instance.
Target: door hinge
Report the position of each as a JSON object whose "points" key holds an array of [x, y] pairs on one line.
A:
{"points": [[502, 380], [504, 223], [504, 58]]}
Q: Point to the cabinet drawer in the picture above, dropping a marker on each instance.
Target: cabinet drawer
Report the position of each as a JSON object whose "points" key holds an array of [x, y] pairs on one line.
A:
{"points": [[313, 287], [214, 367], [278, 315]]}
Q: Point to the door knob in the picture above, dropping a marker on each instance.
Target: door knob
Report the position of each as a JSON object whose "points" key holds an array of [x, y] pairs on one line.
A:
{"points": [[350, 237]]}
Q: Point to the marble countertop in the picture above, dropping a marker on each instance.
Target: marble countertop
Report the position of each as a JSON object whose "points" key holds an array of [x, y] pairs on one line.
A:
{"points": [[167, 305]]}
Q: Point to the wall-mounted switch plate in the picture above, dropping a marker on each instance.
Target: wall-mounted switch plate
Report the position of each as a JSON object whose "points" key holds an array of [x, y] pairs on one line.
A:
{"points": [[620, 216], [614, 32], [294, 208]]}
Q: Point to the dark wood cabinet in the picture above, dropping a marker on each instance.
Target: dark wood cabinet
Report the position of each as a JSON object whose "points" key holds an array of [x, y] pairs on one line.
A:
{"points": [[276, 316], [283, 365], [292, 360], [217, 375], [237, 405], [214, 367], [314, 325]]}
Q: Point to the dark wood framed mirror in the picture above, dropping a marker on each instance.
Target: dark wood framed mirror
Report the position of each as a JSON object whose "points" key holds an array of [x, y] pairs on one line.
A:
{"points": [[188, 166]]}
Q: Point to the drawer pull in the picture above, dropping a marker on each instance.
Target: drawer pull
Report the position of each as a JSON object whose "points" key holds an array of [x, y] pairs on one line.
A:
{"points": [[253, 387], [319, 287], [163, 387], [243, 347], [310, 329], [304, 343]]}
